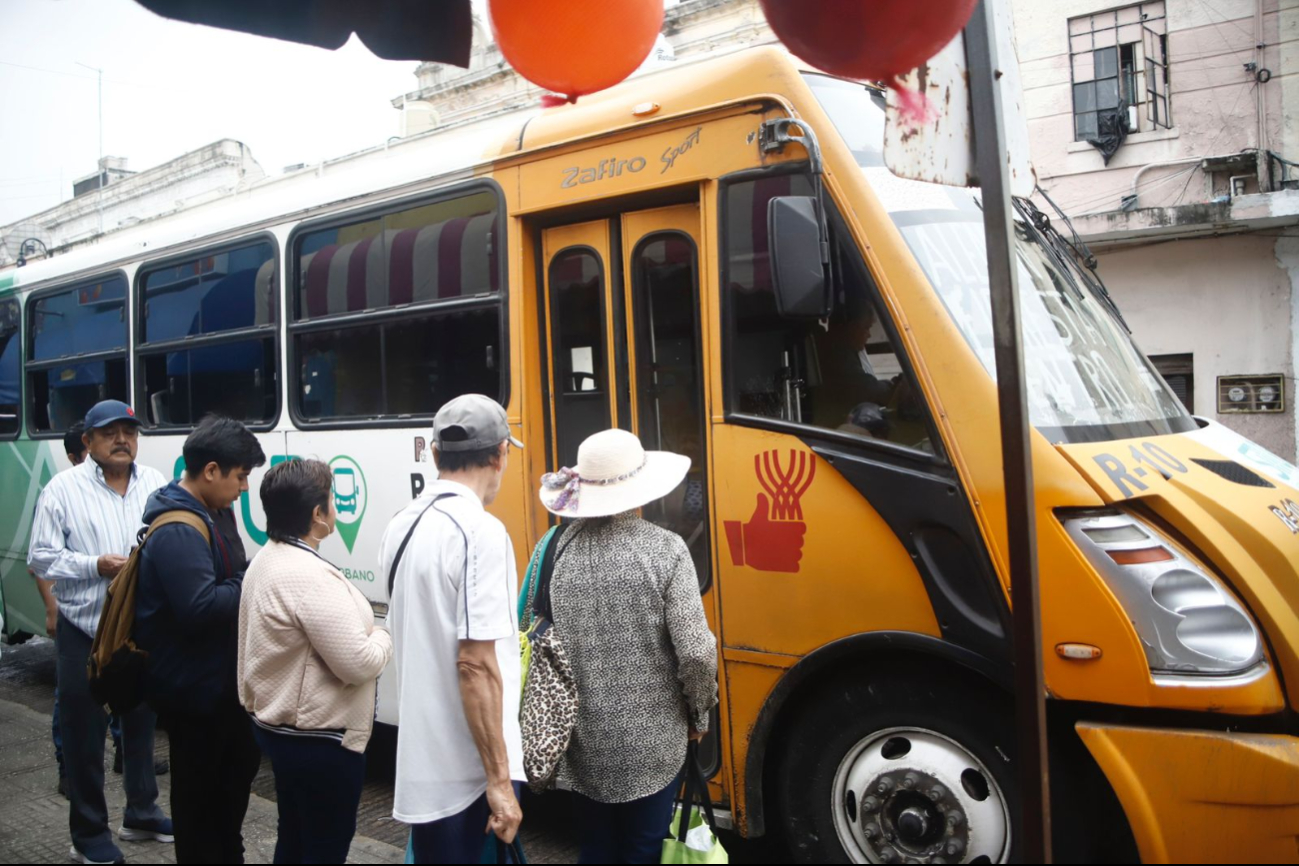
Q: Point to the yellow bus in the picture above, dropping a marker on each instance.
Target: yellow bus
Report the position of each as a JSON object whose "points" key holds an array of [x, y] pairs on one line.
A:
{"points": [[635, 260]]}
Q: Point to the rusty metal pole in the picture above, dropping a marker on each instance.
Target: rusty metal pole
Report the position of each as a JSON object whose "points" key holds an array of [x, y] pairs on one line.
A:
{"points": [[1016, 454]]}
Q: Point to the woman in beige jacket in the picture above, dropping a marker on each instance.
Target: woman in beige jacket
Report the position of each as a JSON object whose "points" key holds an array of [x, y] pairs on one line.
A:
{"points": [[309, 656]]}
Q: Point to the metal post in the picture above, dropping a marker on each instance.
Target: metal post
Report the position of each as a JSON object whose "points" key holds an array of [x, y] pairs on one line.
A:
{"points": [[1016, 455]]}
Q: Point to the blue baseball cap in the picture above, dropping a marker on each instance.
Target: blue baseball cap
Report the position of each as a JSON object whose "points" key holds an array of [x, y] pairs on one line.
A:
{"points": [[105, 412]]}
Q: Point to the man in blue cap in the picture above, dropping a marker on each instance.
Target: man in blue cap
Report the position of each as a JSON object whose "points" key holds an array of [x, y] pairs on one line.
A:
{"points": [[86, 524]]}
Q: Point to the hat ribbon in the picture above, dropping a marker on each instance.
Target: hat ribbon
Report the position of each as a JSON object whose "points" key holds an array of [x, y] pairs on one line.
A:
{"points": [[569, 482]]}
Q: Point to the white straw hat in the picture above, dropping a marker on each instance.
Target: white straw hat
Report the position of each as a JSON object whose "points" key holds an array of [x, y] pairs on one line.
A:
{"points": [[614, 473]]}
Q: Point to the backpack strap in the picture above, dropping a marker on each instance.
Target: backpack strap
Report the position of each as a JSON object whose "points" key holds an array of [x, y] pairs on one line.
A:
{"points": [[180, 515]]}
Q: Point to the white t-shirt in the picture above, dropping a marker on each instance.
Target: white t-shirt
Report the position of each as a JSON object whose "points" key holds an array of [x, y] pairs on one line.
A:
{"points": [[437, 601]]}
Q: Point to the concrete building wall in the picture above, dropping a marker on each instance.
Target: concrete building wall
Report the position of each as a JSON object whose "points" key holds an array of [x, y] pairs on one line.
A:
{"points": [[202, 175], [1227, 302], [1215, 102]]}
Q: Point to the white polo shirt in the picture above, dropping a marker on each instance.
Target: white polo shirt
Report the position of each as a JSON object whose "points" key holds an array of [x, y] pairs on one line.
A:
{"points": [[456, 581]]}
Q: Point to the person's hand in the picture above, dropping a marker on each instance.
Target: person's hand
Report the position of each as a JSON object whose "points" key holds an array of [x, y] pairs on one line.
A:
{"points": [[110, 564], [506, 815], [696, 736], [51, 620]]}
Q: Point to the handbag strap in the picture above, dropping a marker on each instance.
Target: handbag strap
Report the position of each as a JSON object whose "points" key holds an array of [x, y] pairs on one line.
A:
{"points": [[541, 600], [530, 578], [401, 549], [509, 853], [696, 788]]}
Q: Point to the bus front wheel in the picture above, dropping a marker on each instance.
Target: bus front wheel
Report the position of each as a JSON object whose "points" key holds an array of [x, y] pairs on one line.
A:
{"points": [[904, 770]]}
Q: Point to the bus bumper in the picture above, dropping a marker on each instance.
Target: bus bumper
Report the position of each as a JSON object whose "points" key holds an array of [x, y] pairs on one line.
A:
{"points": [[1203, 796]]}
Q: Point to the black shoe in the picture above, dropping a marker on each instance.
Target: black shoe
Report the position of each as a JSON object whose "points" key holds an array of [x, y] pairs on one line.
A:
{"points": [[161, 767], [63, 787], [117, 761]]}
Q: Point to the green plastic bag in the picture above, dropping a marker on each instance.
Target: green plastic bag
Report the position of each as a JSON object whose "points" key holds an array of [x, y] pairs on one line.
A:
{"points": [[692, 835], [700, 845]]}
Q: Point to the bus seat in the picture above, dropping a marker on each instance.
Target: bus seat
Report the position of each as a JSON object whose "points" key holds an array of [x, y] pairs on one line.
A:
{"points": [[158, 407]]}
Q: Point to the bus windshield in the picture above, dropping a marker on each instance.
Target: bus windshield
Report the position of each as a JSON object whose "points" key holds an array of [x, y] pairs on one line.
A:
{"points": [[1086, 379]]}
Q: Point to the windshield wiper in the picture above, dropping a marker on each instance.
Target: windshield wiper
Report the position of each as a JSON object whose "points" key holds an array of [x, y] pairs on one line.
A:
{"points": [[1084, 260]]}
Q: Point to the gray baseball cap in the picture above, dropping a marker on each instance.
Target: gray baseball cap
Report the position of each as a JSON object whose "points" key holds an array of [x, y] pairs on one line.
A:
{"points": [[475, 422]]}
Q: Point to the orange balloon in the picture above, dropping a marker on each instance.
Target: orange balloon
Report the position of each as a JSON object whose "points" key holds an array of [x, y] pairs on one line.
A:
{"points": [[575, 47]]}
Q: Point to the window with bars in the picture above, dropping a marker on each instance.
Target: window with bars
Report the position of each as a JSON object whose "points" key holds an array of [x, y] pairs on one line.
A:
{"points": [[1119, 67]]}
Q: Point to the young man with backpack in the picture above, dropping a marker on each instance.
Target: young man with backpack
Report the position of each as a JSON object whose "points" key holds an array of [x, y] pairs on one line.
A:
{"points": [[186, 619], [85, 526]]}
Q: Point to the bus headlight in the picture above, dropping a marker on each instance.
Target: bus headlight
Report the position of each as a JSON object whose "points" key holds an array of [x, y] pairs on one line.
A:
{"points": [[1187, 620]]}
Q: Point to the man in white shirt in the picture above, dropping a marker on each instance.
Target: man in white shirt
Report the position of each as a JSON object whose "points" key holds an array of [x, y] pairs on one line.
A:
{"points": [[455, 631], [86, 523]]}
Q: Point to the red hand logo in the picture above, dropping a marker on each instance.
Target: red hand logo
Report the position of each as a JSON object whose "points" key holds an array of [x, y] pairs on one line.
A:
{"points": [[774, 545], [765, 544]]}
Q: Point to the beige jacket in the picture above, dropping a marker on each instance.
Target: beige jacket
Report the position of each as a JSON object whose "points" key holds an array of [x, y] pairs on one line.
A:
{"points": [[309, 652]]}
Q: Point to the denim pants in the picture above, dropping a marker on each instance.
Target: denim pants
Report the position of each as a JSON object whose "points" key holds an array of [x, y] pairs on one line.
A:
{"points": [[317, 791], [114, 730], [631, 832], [82, 725]]}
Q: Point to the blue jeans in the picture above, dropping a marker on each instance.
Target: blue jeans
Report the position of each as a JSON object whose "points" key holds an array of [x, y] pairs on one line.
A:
{"points": [[457, 838], [114, 728], [317, 792], [631, 832], [83, 723]]}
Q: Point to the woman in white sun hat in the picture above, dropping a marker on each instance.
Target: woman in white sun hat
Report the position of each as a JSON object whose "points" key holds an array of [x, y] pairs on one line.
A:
{"points": [[625, 597]]}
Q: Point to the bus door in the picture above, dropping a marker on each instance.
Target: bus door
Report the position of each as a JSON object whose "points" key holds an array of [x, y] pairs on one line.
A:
{"points": [[624, 339], [625, 350]]}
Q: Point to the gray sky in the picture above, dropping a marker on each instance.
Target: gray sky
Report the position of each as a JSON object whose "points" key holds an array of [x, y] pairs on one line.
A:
{"points": [[170, 88]]}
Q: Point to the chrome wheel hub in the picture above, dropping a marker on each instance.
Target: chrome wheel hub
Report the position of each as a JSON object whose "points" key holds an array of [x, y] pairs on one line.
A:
{"points": [[909, 795]]}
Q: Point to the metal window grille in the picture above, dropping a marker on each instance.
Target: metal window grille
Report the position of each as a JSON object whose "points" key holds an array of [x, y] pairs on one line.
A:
{"points": [[1260, 393], [1118, 62]]}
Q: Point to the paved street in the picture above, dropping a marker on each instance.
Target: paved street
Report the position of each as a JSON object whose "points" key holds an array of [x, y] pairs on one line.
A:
{"points": [[34, 818]]}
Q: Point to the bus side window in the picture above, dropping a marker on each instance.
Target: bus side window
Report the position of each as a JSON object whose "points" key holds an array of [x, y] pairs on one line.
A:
{"points": [[227, 297], [76, 352], [10, 368], [394, 314], [843, 373]]}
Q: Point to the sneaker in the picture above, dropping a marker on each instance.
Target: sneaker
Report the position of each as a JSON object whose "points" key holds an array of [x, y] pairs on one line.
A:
{"points": [[117, 760], [157, 830], [161, 767], [99, 852]]}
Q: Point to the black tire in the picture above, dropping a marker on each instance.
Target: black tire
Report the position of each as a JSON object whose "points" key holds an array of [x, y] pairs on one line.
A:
{"points": [[841, 714]]}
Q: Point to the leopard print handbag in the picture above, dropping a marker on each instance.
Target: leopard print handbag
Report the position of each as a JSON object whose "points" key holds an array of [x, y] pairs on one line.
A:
{"points": [[549, 710]]}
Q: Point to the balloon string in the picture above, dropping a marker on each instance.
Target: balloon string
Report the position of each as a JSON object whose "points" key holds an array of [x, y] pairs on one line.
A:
{"points": [[914, 108]]}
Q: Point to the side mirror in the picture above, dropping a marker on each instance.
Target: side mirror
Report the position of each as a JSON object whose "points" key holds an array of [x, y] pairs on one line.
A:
{"points": [[798, 273]]}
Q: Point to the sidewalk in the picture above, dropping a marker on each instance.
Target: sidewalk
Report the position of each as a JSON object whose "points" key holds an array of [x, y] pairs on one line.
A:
{"points": [[34, 817]]}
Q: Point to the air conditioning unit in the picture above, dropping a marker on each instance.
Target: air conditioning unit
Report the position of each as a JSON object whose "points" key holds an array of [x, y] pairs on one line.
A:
{"points": [[1248, 394]]}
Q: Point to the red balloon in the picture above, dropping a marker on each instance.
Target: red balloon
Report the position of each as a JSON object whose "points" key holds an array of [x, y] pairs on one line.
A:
{"points": [[869, 39], [575, 47]]}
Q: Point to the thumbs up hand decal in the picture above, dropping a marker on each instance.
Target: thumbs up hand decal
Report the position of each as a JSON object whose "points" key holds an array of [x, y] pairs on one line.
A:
{"points": [[768, 544]]}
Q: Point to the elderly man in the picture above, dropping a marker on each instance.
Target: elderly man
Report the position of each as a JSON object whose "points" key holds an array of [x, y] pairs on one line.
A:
{"points": [[86, 524]]}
